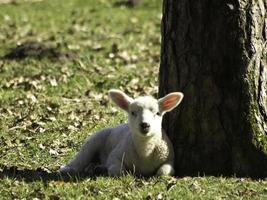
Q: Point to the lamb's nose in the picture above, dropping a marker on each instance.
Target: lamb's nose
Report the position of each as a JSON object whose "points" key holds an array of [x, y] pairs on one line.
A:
{"points": [[144, 127]]}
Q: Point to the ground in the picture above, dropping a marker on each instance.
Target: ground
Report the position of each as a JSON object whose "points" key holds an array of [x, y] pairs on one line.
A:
{"points": [[58, 60]]}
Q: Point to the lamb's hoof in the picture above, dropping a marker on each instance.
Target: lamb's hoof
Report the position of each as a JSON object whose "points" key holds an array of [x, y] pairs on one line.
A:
{"points": [[66, 170]]}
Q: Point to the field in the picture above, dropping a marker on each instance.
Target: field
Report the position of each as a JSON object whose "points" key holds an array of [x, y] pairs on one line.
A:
{"points": [[58, 60]]}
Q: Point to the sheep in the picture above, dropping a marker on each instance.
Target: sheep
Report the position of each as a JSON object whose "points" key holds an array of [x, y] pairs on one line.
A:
{"points": [[140, 146]]}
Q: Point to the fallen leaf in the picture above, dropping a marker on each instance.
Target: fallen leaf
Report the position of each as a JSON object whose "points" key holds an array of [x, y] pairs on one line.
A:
{"points": [[53, 152], [53, 82]]}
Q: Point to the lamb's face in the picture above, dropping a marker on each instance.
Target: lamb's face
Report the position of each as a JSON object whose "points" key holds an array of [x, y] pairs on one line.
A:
{"points": [[144, 117], [145, 113]]}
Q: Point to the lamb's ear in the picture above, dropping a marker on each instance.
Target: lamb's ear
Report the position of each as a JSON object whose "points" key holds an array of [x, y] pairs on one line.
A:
{"points": [[170, 101], [120, 98]]}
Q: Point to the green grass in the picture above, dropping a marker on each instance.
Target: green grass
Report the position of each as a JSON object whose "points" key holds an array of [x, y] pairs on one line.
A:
{"points": [[49, 107]]}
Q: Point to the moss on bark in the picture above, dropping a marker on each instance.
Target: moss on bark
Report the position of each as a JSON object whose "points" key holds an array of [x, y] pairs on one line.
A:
{"points": [[253, 26]]}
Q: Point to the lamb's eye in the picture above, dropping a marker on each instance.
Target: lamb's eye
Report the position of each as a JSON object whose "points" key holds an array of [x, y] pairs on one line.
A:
{"points": [[158, 113], [133, 113]]}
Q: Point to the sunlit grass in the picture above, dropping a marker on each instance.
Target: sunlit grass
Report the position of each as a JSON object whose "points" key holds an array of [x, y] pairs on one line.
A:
{"points": [[49, 106]]}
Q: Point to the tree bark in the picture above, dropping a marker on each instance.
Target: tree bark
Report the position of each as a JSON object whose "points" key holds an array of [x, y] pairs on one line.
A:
{"points": [[215, 52]]}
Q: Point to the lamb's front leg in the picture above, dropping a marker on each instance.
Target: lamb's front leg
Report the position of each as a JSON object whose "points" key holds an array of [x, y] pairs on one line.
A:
{"points": [[115, 165], [166, 169], [114, 170]]}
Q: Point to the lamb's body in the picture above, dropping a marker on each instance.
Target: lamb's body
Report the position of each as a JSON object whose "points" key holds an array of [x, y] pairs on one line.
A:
{"points": [[143, 151], [117, 151]]}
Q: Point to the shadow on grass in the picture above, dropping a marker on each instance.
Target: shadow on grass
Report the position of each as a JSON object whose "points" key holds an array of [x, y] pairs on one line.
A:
{"points": [[127, 3], [37, 50], [31, 175]]}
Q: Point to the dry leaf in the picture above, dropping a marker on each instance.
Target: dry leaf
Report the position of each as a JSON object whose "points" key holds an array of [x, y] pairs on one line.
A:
{"points": [[53, 152], [53, 82]]}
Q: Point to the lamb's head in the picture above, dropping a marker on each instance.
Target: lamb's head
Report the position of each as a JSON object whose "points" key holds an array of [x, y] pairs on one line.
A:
{"points": [[145, 113]]}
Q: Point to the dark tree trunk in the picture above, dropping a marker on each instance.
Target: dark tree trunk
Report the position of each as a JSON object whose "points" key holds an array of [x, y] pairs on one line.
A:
{"points": [[214, 51]]}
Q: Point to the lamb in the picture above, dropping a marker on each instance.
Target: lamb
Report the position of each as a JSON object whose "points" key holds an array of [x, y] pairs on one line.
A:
{"points": [[141, 146]]}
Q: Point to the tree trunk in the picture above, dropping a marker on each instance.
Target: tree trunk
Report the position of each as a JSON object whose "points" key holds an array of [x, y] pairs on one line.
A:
{"points": [[214, 51]]}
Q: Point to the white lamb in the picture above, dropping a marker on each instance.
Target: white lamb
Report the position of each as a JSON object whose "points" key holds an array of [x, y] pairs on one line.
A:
{"points": [[140, 147]]}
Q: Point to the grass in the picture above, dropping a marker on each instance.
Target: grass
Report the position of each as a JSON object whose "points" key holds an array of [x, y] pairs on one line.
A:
{"points": [[49, 106]]}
